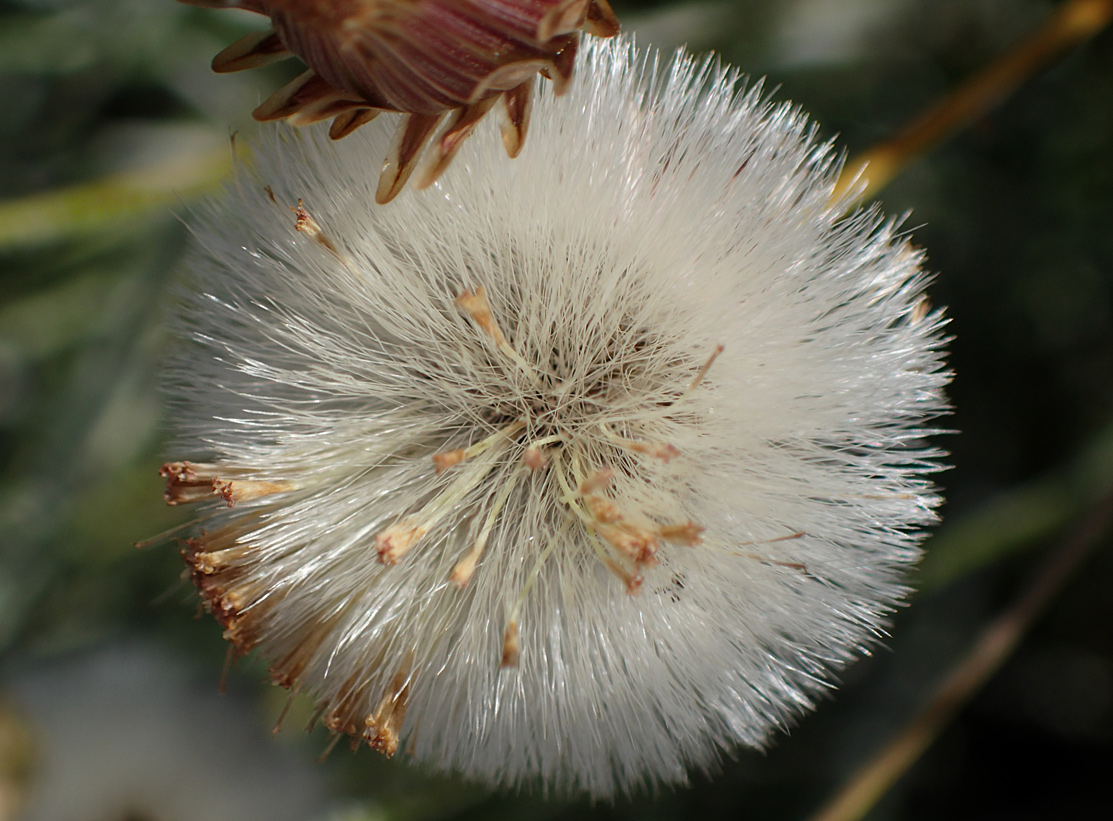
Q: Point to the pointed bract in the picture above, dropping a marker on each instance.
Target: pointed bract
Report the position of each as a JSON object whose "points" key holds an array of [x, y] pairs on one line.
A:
{"points": [[419, 57]]}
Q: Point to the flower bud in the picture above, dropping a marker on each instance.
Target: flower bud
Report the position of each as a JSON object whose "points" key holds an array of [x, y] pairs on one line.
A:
{"points": [[429, 59]]}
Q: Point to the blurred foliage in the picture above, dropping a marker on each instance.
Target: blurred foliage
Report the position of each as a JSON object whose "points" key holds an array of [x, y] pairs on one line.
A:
{"points": [[113, 121]]}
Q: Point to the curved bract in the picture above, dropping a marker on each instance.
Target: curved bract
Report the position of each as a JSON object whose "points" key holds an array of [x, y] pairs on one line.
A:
{"points": [[432, 60]]}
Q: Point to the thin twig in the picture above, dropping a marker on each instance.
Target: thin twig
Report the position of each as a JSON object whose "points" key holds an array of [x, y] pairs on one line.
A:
{"points": [[862, 791], [1074, 22]]}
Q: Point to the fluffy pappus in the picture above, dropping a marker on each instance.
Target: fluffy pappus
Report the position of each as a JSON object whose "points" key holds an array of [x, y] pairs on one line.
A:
{"points": [[574, 471]]}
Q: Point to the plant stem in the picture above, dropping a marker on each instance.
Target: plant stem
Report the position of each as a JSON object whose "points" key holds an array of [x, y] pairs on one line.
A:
{"points": [[105, 203], [996, 642], [1074, 22]]}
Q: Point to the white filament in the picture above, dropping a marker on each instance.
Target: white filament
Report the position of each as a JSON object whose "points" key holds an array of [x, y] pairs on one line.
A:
{"points": [[654, 214]]}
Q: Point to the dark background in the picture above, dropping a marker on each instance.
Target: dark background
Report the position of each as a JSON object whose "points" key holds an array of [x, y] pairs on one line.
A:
{"points": [[111, 121]]}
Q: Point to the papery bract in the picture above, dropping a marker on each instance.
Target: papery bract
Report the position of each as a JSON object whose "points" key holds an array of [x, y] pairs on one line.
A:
{"points": [[424, 58]]}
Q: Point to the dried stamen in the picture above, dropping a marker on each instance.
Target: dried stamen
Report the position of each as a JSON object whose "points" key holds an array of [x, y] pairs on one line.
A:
{"points": [[632, 579], [304, 641], [395, 542], [685, 534], [658, 450], [165, 535], [797, 535], [703, 371], [462, 572], [189, 482], [323, 757], [799, 566], [310, 227], [293, 694], [305, 224], [534, 458], [603, 510], [446, 459], [384, 726], [475, 304], [450, 458], [311, 725], [596, 480], [511, 645], [346, 711], [243, 490], [479, 309], [635, 543]]}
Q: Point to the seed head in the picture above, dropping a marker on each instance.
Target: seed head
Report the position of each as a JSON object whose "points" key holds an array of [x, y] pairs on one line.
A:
{"points": [[425, 58], [578, 471]]}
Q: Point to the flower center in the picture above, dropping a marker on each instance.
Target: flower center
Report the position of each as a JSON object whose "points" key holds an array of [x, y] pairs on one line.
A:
{"points": [[580, 430], [597, 428]]}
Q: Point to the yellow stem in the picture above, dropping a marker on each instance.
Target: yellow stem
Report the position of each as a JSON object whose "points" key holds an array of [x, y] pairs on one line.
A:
{"points": [[109, 201]]}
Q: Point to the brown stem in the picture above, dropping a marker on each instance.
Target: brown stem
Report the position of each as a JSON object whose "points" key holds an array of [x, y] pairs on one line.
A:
{"points": [[862, 791], [1074, 22]]}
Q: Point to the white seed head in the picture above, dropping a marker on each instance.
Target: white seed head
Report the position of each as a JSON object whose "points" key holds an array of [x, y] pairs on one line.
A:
{"points": [[576, 470]]}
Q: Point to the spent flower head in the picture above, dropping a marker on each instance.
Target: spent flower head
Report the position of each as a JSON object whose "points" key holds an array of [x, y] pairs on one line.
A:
{"points": [[576, 470], [429, 59]]}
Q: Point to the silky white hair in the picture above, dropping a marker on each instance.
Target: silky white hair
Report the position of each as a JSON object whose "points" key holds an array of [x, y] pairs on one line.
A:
{"points": [[758, 508]]}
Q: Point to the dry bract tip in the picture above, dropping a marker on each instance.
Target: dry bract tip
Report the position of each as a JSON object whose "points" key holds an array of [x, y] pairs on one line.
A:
{"points": [[422, 58]]}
